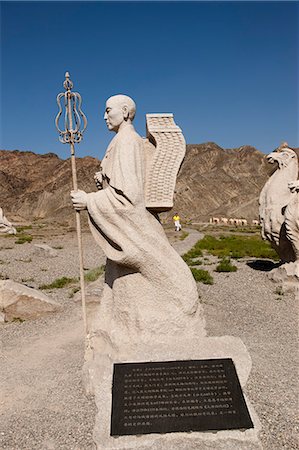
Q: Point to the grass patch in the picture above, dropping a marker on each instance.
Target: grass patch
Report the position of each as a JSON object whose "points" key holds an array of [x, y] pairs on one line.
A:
{"points": [[23, 238], [25, 227], [194, 262], [191, 255], [94, 274], [202, 276], [59, 283], [234, 247], [183, 235], [18, 319], [225, 265], [279, 291]]}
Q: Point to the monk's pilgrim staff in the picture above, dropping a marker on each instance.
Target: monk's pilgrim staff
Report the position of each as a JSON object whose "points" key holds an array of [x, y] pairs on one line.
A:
{"points": [[74, 116]]}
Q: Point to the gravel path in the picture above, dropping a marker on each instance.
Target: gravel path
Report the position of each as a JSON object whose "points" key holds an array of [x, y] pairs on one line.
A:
{"points": [[44, 406]]}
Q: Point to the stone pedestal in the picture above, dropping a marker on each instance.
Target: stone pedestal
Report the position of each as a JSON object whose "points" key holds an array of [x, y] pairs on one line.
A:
{"points": [[287, 275], [98, 377]]}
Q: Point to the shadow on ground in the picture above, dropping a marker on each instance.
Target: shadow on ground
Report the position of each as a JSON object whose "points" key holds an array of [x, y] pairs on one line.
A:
{"points": [[264, 265]]}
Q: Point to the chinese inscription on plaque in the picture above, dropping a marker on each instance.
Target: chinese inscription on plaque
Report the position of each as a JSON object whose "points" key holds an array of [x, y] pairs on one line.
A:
{"points": [[163, 397]]}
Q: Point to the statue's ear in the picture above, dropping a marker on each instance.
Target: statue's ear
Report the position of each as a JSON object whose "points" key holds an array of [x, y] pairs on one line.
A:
{"points": [[125, 112]]}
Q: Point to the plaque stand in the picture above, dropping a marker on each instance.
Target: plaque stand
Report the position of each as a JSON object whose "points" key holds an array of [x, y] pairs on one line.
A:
{"points": [[98, 381]]}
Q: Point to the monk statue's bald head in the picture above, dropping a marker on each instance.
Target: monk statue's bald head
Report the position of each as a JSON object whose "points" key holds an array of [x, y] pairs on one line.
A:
{"points": [[120, 112]]}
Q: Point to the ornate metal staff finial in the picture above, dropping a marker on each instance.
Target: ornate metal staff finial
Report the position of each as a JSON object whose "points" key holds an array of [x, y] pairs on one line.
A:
{"points": [[75, 121], [75, 124]]}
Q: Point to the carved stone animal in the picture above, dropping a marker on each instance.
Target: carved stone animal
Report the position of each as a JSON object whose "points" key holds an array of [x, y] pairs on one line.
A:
{"points": [[292, 219], [274, 200]]}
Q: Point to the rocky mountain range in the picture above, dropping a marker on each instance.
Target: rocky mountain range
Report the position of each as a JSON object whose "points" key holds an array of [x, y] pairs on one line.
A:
{"points": [[212, 182], [221, 182]]}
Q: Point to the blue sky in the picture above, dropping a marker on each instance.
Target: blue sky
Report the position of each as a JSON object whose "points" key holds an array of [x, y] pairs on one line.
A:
{"points": [[227, 70]]}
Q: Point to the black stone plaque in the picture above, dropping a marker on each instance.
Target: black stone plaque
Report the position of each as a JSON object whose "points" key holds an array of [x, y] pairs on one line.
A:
{"points": [[164, 397]]}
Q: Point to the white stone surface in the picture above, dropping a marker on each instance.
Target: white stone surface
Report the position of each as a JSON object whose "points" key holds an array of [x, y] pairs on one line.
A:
{"points": [[292, 224], [100, 367], [287, 275], [149, 308], [162, 160], [279, 213], [274, 198], [21, 302], [6, 227], [148, 288]]}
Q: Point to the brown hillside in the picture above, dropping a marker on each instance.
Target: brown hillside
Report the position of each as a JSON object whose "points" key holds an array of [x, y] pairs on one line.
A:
{"points": [[212, 182], [218, 182], [38, 186]]}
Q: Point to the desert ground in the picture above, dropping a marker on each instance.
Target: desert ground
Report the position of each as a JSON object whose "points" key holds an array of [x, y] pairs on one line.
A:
{"points": [[43, 404]]}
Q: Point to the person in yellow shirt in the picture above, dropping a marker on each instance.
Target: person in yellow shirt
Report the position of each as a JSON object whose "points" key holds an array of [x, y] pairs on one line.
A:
{"points": [[177, 222]]}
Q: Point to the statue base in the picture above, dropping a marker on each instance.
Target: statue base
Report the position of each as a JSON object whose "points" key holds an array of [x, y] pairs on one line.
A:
{"points": [[98, 375], [287, 275]]}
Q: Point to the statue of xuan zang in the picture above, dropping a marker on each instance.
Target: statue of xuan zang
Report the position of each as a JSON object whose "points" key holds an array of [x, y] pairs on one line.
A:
{"points": [[148, 288], [279, 208], [149, 309]]}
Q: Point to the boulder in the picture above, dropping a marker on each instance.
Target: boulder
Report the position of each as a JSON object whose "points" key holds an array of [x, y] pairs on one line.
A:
{"points": [[288, 275], [21, 302], [45, 250]]}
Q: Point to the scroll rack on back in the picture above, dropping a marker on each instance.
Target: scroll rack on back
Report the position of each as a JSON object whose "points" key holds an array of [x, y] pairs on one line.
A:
{"points": [[165, 148]]}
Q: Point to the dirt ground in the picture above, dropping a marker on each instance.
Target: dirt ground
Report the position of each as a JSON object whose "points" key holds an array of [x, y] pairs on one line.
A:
{"points": [[43, 405]]}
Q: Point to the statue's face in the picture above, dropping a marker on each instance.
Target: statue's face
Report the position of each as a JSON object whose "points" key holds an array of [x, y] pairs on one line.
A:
{"points": [[282, 157], [114, 114]]}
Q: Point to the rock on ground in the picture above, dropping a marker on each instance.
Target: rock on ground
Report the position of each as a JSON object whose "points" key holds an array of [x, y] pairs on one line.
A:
{"points": [[19, 302]]}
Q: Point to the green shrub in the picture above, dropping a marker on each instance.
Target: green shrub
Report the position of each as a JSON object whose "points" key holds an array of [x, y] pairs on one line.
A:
{"points": [[59, 283], [234, 247], [195, 252], [279, 291], [194, 262], [202, 276], [94, 274], [23, 238], [25, 227], [183, 235], [225, 265]]}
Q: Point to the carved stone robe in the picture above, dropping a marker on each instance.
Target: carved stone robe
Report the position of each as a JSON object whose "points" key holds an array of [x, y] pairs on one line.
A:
{"points": [[148, 287]]}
